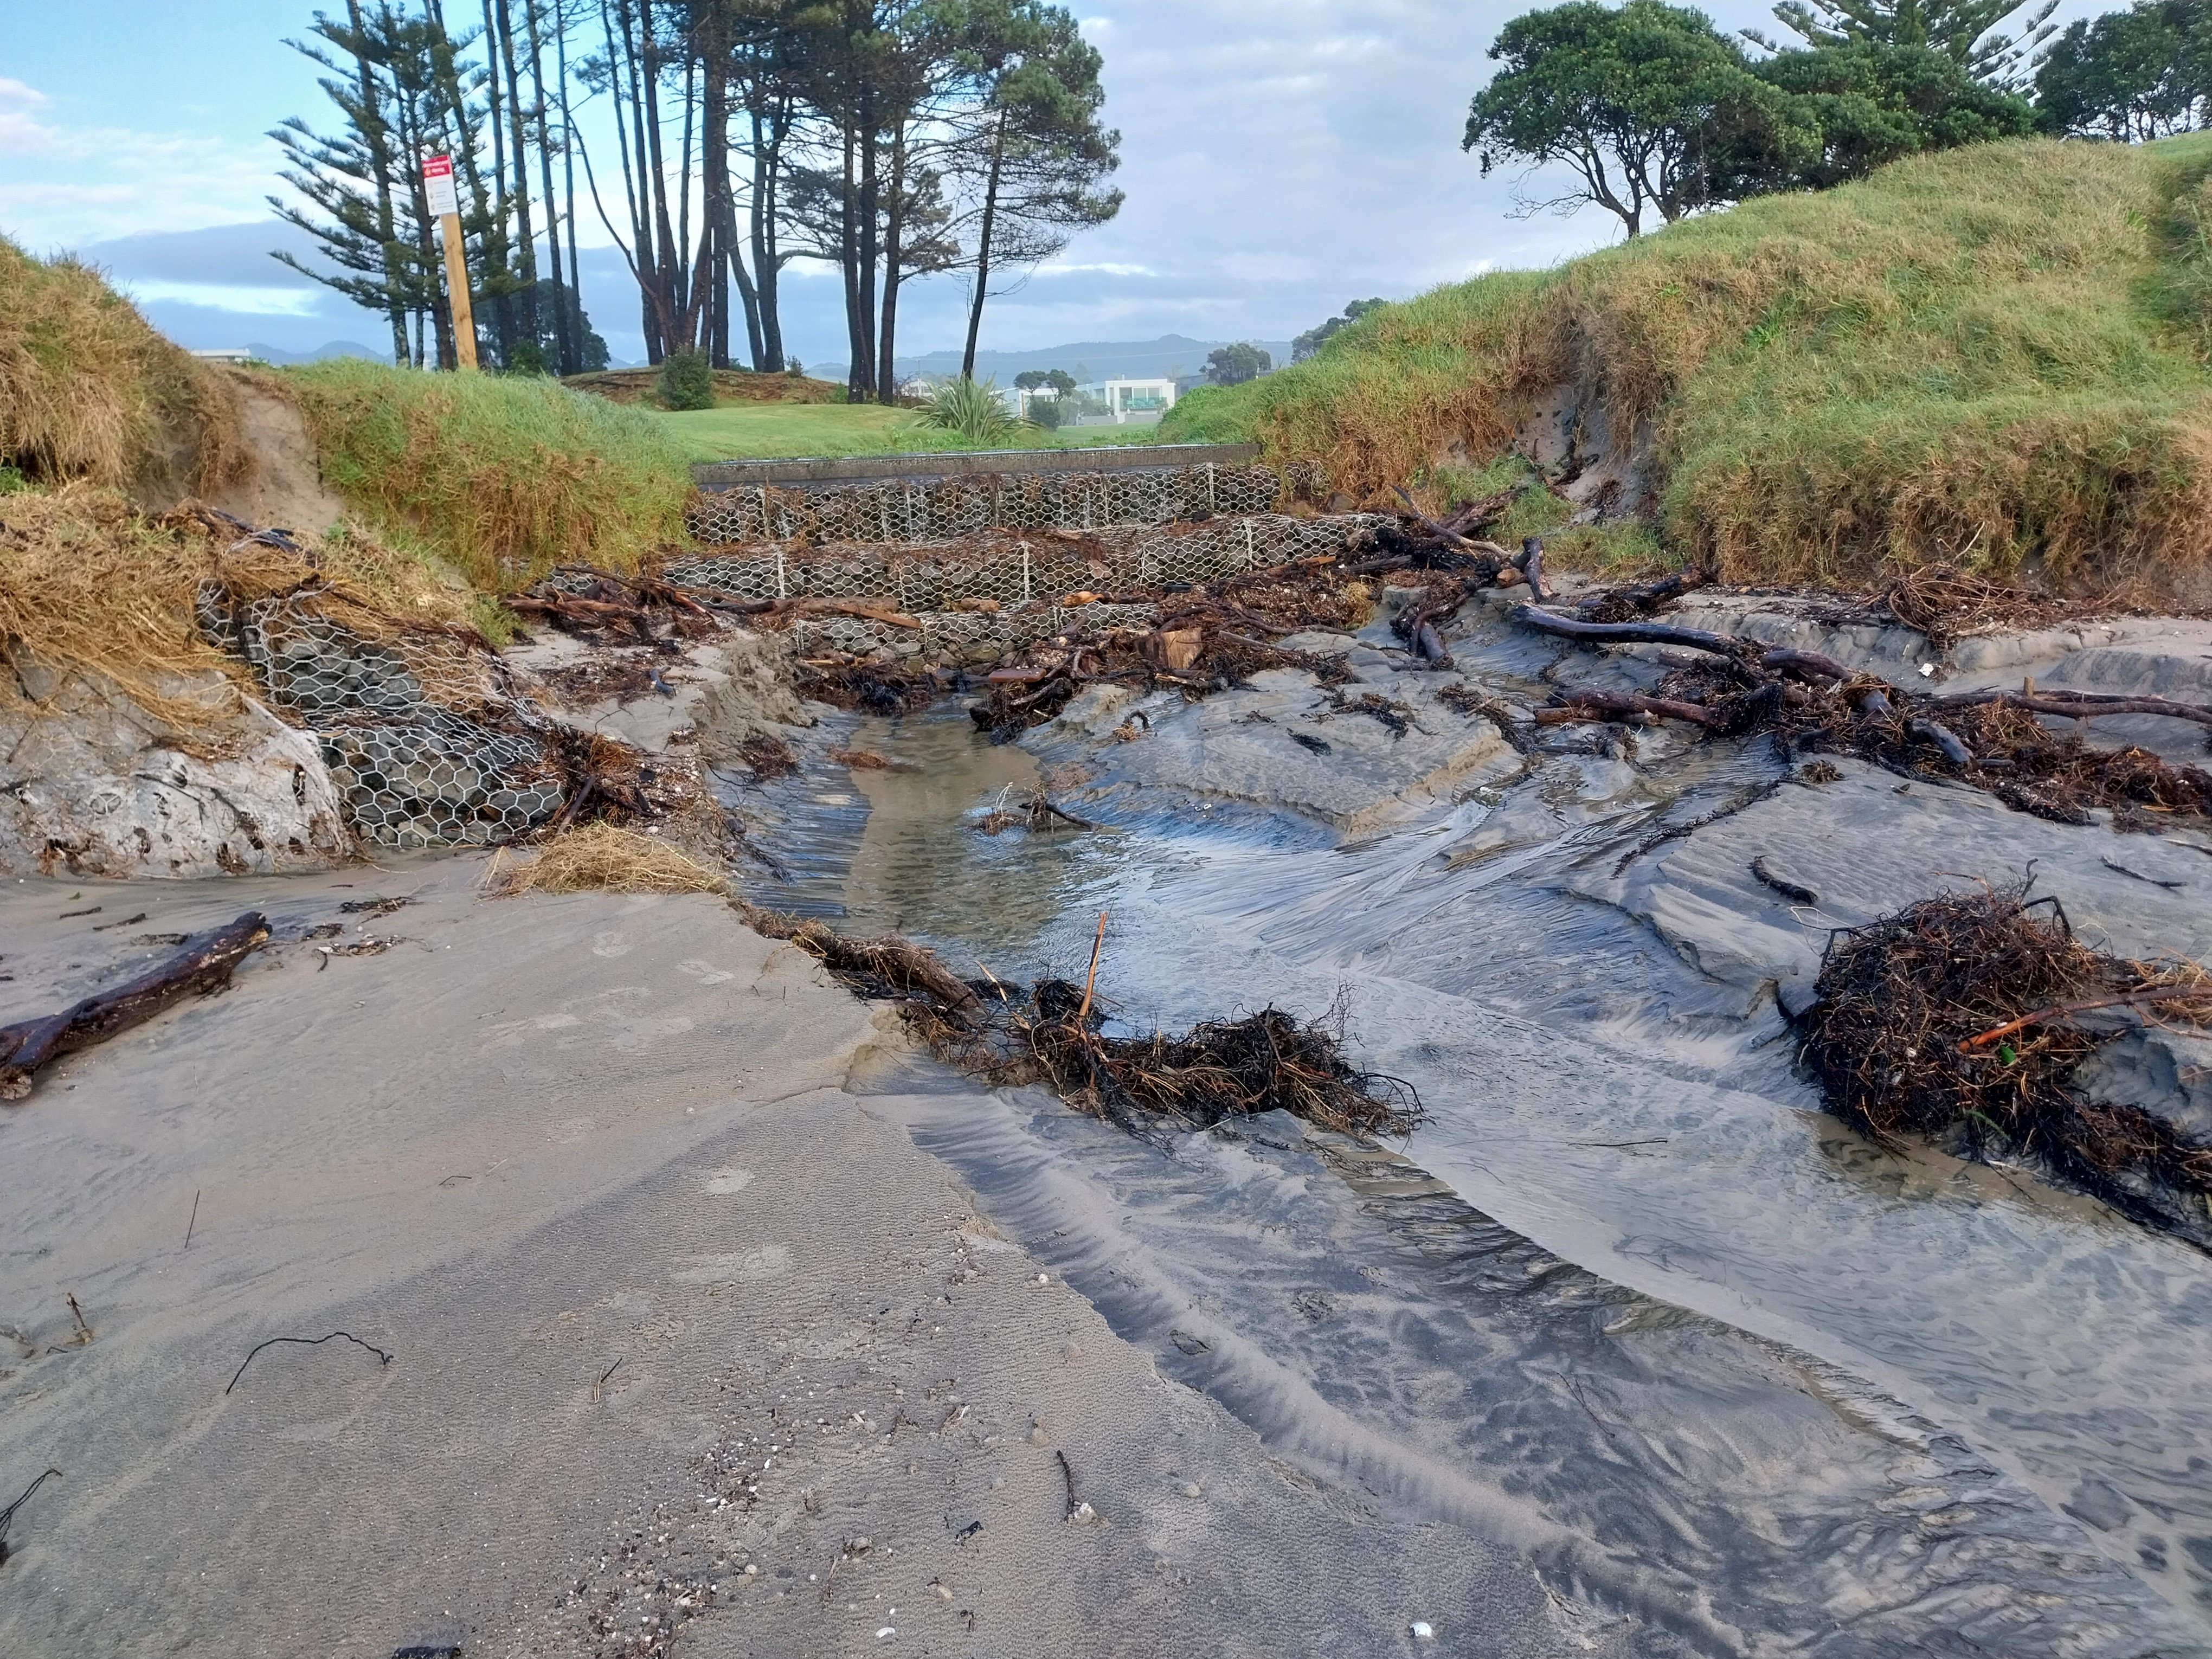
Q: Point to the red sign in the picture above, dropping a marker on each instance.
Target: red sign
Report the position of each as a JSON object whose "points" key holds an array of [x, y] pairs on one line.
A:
{"points": [[437, 185]]}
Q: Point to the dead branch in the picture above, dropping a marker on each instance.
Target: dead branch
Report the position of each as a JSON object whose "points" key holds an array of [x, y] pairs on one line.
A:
{"points": [[203, 967]]}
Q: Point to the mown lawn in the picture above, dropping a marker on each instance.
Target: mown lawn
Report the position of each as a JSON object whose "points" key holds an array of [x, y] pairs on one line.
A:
{"points": [[784, 429]]}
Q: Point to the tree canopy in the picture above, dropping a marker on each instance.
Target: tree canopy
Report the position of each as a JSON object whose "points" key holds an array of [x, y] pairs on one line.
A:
{"points": [[2143, 73], [1312, 340], [1233, 365], [1633, 102], [1962, 30], [1035, 379]]}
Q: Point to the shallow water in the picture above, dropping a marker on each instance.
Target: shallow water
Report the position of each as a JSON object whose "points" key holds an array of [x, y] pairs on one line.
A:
{"points": [[1597, 1095]]}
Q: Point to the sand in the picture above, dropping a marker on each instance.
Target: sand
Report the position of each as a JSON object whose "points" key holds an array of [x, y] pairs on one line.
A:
{"points": [[665, 1298]]}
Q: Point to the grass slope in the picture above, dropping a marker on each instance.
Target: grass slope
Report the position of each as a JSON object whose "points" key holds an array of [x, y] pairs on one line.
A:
{"points": [[1993, 358], [501, 477]]}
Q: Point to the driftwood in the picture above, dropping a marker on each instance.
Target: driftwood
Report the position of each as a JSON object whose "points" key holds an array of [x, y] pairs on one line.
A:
{"points": [[202, 966], [1574, 703], [1632, 633], [2080, 705]]}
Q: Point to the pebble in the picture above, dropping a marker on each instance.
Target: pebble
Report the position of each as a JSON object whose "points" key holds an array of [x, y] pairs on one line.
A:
{"points": [[944, 1595], [1193, 1490], [1420, 1631]]}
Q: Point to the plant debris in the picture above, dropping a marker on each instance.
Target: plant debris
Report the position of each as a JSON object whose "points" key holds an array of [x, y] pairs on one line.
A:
{"points": [[204, 967], [1961, 1021], [1991, 739], [768, 756]]}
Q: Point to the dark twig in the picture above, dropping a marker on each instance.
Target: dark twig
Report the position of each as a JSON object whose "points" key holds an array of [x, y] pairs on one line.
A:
{"points": [[1067, 1475], [9, 1514], [194, 1221], [308, 1342]]}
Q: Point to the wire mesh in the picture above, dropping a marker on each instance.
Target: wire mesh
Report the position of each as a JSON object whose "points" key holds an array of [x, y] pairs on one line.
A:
{"points": [[428, 742], [914, 512], [996, 567]]}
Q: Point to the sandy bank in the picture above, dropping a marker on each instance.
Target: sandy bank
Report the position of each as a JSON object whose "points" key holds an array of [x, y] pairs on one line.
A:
{"points": [[665, 1299]]}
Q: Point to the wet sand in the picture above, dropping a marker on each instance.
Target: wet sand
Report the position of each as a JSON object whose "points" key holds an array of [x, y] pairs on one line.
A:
{"points": [[687, 1265], [667, 1299]]}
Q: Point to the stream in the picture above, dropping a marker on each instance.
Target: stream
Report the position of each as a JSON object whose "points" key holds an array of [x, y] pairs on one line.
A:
{"points": [[1738, 1380]]}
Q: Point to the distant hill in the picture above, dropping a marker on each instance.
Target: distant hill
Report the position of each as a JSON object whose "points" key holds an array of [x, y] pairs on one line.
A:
{"points": [[269, 354], [1087, 360]]}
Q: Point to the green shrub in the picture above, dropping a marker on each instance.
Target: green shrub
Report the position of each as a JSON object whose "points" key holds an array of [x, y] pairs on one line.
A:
{"points": [[687, 381], [976, 411]]}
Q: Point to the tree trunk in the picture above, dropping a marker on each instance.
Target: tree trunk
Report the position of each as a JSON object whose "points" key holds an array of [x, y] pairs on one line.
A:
{"points": [[870, 220], [527, 312], [714, 181], [848, 251], [564, 359], [984, 248], [643, 265], [502, 301], [768, 264], [894, 234], [568, 167], [653, 177], [375, 134]]}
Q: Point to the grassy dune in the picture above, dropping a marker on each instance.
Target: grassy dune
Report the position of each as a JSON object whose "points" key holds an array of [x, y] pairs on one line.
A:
{"points": [[502, 478], [88, 390], [1994, 358]]}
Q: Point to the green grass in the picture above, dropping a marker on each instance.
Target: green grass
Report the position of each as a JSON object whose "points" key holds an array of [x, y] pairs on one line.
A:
{"points": [[1991, 357], [502, 478], [742, 432]]}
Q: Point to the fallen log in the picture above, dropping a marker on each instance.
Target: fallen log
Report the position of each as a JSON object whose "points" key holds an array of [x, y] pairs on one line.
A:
{"points": [[1572, 703], [1807, 666], [202, 966], [1944, 739], [2079, 705], [814, 606], [1633, 633]]}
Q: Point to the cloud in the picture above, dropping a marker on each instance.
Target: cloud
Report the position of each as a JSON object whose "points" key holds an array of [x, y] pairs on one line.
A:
{"points": [[62, 184]]}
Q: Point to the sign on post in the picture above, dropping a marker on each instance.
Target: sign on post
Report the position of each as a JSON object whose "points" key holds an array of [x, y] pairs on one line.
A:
{"points": [[438, 189]]}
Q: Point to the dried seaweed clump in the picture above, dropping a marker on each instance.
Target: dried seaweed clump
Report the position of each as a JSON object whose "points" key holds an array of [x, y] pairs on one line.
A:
{"points": [[602, 857], [1961, 1021], [1229, 1068]]}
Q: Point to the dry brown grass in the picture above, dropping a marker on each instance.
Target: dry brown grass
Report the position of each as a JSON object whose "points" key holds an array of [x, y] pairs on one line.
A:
{"points": [[600, 857], [88, 390], [90, 586]]}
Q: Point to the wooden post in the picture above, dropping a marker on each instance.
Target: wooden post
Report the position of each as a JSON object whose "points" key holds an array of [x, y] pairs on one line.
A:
{"points": [[438, 186]]}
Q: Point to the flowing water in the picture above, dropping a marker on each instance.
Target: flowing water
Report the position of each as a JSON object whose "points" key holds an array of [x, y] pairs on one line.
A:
{"points": [[1739, 1380]]}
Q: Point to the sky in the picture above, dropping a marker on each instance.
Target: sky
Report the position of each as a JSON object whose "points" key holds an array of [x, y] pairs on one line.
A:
{"points": [[1279, 160]]}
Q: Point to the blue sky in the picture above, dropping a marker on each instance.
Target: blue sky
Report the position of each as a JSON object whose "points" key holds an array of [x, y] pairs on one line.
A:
{"points": [[1280, 159]]}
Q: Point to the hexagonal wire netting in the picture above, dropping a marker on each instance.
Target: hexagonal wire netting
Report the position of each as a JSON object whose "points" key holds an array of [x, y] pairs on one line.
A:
{"points": [[994, 591], [917, 511], [427, 744]]}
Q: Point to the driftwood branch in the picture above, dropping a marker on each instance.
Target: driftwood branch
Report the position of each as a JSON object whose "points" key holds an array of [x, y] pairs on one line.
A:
{"points": [[202, 966], [1632, 633], [2080, 705], [1585, 702]]}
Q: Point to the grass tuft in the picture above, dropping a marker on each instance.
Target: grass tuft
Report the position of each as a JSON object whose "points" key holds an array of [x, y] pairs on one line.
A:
{"points": [[600, 858], [89, 391]]}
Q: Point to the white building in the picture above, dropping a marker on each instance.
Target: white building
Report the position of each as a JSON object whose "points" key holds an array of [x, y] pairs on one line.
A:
{"points": [[1124, 400]]}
